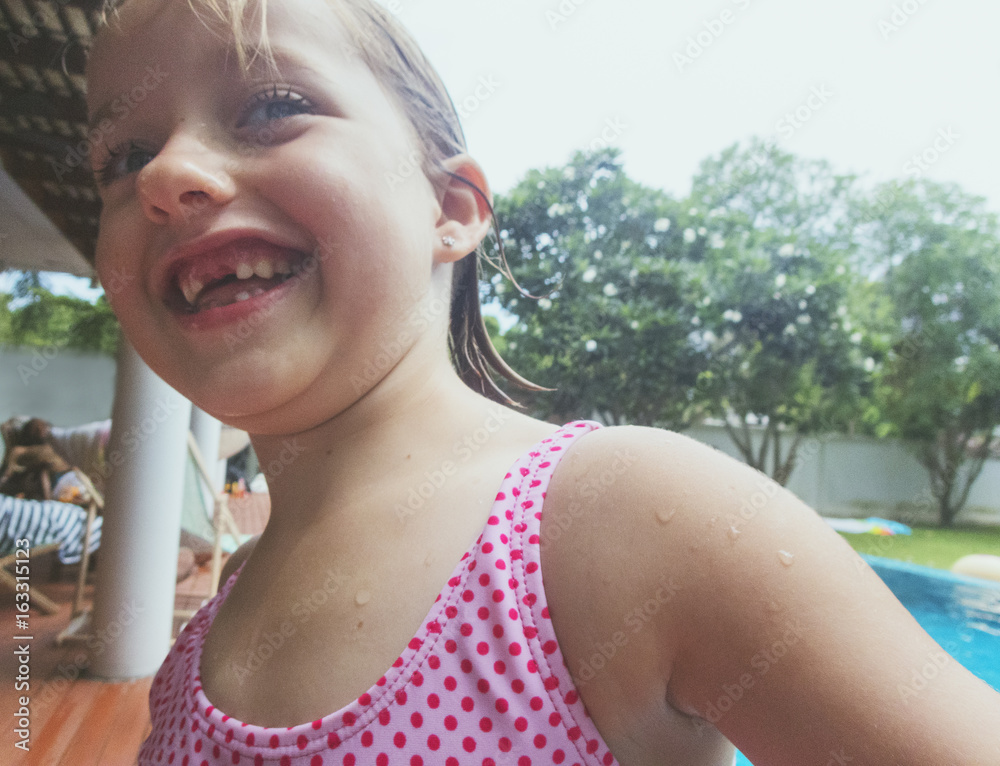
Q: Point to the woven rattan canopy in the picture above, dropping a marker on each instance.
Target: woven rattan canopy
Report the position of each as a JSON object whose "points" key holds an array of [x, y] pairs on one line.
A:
{"points": [[44, 146]]}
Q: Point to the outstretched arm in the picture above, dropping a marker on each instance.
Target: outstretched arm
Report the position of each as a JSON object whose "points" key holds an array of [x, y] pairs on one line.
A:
{"points": [[779, 634]]}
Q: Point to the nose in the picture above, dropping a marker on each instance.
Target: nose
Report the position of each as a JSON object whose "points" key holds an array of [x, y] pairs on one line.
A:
{"points": [[184, 179]]}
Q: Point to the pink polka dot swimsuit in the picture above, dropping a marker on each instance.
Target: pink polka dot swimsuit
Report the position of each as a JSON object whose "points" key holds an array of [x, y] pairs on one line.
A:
{"points": [[483, 683]]}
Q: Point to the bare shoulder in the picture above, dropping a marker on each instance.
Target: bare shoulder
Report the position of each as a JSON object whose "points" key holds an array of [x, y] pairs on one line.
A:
{"points": [[647, 511], [240, 555], [760, 619]]}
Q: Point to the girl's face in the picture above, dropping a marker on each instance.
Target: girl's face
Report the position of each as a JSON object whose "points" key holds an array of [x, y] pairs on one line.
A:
{"points": [[301, 190]]}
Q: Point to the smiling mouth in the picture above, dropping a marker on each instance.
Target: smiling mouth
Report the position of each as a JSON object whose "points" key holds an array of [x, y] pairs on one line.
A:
{"points": [[237, 272]]}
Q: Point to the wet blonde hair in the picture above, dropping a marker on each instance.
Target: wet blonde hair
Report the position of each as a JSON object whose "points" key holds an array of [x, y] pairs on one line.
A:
{"points": [[399, 64]]}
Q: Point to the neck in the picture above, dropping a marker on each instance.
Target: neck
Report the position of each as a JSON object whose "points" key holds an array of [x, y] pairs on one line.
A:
{"points": [[404, 422]]}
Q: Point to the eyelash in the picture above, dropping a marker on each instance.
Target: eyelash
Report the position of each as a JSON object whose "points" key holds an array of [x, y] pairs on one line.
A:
{"points": [[277, 95], [108, 172]]}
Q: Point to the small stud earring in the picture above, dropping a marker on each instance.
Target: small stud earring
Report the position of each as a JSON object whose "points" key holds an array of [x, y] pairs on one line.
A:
{"points": [[448, 241]]}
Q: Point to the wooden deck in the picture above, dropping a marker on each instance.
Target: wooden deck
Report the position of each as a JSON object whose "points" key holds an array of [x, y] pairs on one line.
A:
{"points": [[76, 721]]}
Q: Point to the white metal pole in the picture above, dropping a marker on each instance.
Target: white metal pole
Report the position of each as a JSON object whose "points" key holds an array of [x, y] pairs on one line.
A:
{"points": [[137, 569]]}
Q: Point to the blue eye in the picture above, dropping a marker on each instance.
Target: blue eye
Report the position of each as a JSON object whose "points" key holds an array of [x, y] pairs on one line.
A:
{"points": [[275, 103], [122, 160]]}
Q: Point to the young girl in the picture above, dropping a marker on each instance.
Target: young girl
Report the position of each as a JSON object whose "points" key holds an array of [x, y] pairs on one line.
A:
{"points": [[410, 602]]}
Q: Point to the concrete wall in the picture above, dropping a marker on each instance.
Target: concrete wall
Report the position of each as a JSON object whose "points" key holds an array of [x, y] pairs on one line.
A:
{"points": [[842, 475], [837, 475], [67, 388]]}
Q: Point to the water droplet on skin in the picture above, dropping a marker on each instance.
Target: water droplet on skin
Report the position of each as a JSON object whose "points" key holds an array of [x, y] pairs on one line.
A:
{"points": [[734, 532], [664, 516], [362, 597], [786, 558]]}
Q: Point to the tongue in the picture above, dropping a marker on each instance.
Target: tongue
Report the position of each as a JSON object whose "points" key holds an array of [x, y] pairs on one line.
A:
{"points": [[227, 292]]}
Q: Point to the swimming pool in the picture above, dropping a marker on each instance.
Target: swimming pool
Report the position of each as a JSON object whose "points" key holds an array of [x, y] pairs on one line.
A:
{"points": [[961, 613]]}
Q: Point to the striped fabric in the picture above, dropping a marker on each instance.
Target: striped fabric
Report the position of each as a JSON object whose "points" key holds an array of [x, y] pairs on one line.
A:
{"points": [[46, 521]]}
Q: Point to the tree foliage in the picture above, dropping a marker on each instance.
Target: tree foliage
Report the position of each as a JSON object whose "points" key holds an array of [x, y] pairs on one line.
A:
{"points": [[617, 294], [31, 315], [781, 350], [935, 254], [775, 297]]}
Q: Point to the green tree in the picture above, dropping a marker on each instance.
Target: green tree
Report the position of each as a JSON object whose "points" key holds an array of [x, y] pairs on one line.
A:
{"points": [[31, 315], [610, 331], [775, 327], [935, 253]]}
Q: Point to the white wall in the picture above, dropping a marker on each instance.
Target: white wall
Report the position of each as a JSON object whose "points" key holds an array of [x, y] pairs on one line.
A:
{"points": [[838, 475], [67, 388], [842, 475]]}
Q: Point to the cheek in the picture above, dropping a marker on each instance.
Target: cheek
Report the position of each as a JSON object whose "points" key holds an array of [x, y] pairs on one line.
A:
{"points": [[369, 238], [117, 260]]}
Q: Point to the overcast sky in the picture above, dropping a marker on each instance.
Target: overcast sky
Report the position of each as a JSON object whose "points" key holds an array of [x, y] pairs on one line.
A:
{"points": [[867, 84], [888, 76]]}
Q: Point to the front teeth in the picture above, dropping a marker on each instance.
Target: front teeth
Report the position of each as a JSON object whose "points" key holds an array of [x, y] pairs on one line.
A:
{"points": [[263, 268]]}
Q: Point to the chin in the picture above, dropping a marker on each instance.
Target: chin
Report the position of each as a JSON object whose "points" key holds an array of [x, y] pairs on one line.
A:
{"points": [[238, 405], [261, 403]]}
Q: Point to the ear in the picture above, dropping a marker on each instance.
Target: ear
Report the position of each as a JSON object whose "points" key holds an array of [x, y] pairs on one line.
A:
{"points": [[466, 209]]}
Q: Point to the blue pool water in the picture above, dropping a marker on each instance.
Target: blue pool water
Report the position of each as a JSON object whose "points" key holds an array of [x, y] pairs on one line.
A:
{"points": [[961, 613]]}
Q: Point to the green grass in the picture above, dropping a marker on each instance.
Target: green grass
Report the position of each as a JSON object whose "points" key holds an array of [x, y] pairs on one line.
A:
{"points": [[929, 546]]}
